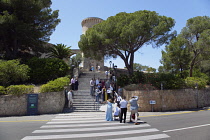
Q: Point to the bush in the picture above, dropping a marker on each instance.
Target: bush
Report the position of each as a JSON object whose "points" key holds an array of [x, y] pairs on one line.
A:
{"points": [[123, 80], [2, 90], [46, 69], [169, 81], [132, 87], [12, 72], [56, 85], [191, 82], [20, 89]]}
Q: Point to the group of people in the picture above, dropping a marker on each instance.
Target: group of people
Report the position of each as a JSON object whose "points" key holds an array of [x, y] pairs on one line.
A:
{"points": [[122, 104], [74, 83], [97, 68], [103, 89]]}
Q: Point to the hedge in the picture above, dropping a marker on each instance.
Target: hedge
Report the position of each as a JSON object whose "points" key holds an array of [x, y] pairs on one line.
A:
{"points": [[20, 89], [55, 85]]}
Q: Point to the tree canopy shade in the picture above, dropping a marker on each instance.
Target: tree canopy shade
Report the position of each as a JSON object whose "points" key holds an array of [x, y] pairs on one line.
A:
{"points": [[124, 34], [24, 26]]}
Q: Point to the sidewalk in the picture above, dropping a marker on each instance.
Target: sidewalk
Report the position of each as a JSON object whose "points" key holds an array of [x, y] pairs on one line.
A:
{"points": [[48, 117], [150, 114]]}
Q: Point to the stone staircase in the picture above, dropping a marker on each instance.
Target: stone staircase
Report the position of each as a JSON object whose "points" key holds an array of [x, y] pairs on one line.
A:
{"points": [[82, 100]]}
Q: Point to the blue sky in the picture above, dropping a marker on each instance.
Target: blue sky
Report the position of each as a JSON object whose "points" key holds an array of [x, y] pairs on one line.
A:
{"points": [[72, 12]]}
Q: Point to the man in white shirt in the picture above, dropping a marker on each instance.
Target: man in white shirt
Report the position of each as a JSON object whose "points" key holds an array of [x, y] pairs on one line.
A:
{"points": [[109, 93], [70, 98], [118, 98], [123, 109]]}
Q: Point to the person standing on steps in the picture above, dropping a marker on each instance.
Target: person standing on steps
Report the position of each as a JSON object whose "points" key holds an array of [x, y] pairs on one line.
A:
{"points": [[98, 93], [76, 84], [134, 109], [104, 95], [92, 84], [72, 83], [70, 98], [123, 109]]}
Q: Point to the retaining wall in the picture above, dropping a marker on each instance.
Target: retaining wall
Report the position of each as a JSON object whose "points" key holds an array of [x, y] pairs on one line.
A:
{"points": [[170, 100], [48, 103]]}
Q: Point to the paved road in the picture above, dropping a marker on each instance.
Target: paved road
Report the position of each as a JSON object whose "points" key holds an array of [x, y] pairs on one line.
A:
{"points": [[91, 126], [188, 125]]}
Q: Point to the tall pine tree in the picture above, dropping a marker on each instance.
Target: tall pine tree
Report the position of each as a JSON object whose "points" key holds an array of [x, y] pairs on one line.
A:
{"points": [[25, 25]]}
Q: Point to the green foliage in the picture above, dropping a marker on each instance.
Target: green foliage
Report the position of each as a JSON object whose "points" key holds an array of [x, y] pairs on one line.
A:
{"points": [[13, 72], [123, 80], [125, 33], [139, 67], [176, 57], [20, 89], [76, 60], [201, 75], [191, 82], [2, 90], [190, 49], [151, 81], [170, 81], [140, 86], [59, 51], [56, 85], [45, 69], [24, 26], [137, 77]]}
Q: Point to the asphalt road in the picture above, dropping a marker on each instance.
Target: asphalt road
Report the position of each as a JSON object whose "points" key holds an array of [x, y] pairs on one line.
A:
{"points": [[169, 125], [186, 126]]}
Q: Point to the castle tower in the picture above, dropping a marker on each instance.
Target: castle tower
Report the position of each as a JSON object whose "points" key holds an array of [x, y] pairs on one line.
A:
{"points": [[88, 63], [89, 22]]}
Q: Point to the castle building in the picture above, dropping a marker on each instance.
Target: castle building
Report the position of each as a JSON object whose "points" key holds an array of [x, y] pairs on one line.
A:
{"points": [[87, 63]]}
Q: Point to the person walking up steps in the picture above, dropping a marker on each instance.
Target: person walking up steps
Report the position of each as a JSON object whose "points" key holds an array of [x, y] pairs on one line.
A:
{"points": [[134, 109], [91, 87], [123, 109]]}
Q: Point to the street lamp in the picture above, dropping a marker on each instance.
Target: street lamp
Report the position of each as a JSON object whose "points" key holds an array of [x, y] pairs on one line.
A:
{"points": [[110, 62], [115, 69]]}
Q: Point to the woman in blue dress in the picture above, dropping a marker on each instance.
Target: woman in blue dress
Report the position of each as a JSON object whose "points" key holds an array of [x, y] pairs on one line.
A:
{"points": [[109, 110]]}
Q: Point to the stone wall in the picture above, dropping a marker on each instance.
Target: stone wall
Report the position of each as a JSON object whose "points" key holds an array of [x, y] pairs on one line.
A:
{"points": [[12, 105], [168, 100]]}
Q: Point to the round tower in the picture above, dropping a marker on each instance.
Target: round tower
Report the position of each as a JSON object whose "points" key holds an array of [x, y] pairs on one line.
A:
{"points": [[89, 22], [87, 63]]}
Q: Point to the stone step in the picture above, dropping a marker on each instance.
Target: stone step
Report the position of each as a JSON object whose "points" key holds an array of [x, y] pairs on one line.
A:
{"points": [[82, 100]]}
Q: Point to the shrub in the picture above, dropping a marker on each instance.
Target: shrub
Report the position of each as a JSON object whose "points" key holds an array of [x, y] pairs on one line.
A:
{"points": [[123, 80], [191, 82], [20, 89], [132, 87], [2, 90], [12, 72], [46, 69], [56, 85], [137, 77], [169, 81]]}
